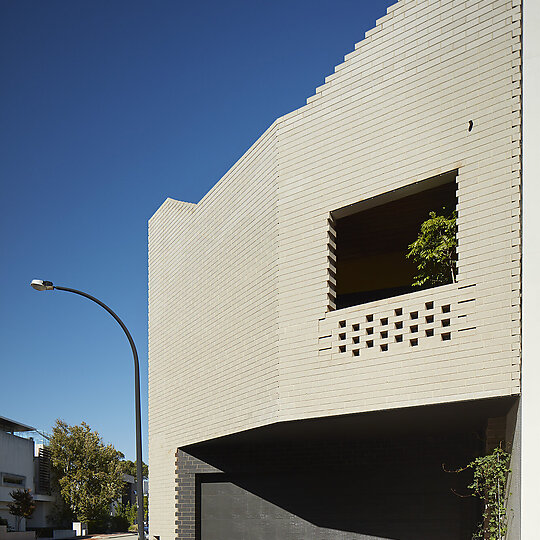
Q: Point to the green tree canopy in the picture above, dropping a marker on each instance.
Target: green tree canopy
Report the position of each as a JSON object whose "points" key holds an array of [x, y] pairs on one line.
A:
{"points": [[23, 505], [130, 467], [88, 472], [434, 251]]}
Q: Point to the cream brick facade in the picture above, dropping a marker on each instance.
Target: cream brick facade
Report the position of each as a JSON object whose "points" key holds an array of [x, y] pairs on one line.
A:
{"points": [[240, 334]]}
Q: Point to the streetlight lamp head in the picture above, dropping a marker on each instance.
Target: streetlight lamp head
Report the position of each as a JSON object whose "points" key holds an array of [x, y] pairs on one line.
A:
{"points": [[41, 285]]}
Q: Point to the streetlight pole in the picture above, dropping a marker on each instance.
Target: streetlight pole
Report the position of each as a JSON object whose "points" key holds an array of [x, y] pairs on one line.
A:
{"points": [[41, 285]]}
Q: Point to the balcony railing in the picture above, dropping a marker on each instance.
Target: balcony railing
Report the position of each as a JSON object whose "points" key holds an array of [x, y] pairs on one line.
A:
{"points": [[427, 318]]}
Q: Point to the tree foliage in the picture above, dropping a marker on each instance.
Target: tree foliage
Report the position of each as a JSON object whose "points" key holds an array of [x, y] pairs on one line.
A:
{"points": [[87, 472], [130, 467], [125, 515], [23, 505], [434, 251]]}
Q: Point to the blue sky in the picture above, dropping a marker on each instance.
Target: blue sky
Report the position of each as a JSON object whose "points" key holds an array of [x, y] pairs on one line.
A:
{"points": [[106, 109]]}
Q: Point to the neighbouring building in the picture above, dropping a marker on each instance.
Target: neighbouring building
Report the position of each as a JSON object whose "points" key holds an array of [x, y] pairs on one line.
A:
{"points": [[24, 465], [299, 386]]}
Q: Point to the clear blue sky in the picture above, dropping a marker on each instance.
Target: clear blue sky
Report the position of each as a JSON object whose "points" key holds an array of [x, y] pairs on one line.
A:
{"points": [[107, 108]]}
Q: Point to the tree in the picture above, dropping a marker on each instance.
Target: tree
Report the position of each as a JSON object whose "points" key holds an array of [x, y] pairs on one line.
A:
{"points": [[23, 505], [130, 467], [434, 251], [87, 472]]}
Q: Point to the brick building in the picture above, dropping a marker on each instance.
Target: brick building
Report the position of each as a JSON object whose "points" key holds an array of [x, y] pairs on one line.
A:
{"points": [[299, 387]]}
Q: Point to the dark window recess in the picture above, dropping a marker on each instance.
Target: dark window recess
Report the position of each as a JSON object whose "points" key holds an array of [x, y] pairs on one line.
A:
{"points": [[13, 480], [429, 332], [398, 325], [369, 343], [355, 327], [399, 338], [342, 348], [369, 330], [373, 236], [356, 352], [384, 347], [384, 334], [430, 319], [356, 339]]}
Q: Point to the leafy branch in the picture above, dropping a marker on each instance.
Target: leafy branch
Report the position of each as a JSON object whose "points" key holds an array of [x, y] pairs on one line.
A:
{"points": [[434, 251]]}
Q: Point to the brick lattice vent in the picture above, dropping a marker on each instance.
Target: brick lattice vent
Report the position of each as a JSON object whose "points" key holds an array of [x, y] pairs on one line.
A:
{"points": [[367, 331]]}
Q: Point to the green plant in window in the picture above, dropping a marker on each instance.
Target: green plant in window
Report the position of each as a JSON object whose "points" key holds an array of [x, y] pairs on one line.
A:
{"points": [[434, 251]]}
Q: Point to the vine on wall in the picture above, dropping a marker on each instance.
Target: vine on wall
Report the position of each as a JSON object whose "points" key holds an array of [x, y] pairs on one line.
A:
{"points": [[490, 476]]}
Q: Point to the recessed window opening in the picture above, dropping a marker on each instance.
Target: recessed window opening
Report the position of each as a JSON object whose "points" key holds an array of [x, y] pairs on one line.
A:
{"points": [[8, 479], [373, 238]]}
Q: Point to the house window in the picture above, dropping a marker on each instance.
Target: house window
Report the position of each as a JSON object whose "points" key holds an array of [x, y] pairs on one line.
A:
{"points": [[372, 238], [12, 480]]}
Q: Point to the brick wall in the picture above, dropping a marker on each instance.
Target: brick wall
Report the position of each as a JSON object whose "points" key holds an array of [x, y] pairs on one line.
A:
{"points": [[238, 283], [187, 467], [212, 309]]}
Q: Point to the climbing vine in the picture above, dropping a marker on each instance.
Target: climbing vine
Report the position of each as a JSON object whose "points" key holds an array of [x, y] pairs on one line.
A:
{"points": [[490, 475]]}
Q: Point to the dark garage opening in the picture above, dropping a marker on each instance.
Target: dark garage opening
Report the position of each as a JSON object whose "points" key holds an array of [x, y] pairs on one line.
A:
{"points": [[368, 476]]}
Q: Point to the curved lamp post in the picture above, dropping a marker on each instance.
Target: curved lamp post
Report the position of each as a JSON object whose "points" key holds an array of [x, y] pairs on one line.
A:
{"points": [[41, 285]]}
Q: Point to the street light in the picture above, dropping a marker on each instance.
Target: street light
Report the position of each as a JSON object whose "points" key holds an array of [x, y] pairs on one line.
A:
{"points": [[41, 285]]}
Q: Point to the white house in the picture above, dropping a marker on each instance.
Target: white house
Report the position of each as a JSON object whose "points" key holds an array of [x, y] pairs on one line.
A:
{"points": [[23, 465]]}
